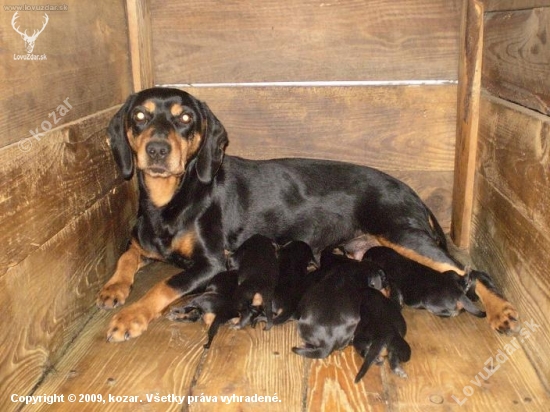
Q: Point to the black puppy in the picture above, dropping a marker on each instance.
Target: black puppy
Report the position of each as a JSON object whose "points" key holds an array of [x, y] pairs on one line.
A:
{"points": [[256, 262], [381, 327], [415, 285], [294, 259], [215, 305], [330, 310]]}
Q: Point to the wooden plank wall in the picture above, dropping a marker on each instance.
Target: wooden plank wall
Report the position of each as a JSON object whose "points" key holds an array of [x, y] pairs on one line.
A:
{"points": [[86, 60], [277, 76], [511, 224], [63, 206]]}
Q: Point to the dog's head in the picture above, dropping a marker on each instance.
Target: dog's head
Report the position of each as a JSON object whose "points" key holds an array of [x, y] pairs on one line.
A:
{"points": [[164, 131]]}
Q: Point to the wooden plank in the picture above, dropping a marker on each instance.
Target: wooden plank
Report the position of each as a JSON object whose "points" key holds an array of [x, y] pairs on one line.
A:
{"points": [[168, 359], [162, 362], [140, 37], [249, 362], [516, 253], [86, 49], [516, 57], [514, 157], [447, 355], [508, 5], [331, 385], [467, 120], [56, 179], [46, 299], [221, 42], [408, 132], [388, 127]]}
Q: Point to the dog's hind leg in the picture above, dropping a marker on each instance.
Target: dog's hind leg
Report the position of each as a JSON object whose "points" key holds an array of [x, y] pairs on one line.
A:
{"points": [[399, 351]]}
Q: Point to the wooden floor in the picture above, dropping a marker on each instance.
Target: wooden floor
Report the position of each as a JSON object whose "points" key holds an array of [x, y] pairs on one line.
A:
{"points": [[447, 355]]}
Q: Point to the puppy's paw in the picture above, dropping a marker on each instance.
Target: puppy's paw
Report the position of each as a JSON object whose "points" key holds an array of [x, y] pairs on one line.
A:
{"points": [[114, 295], [129, 323], [400, 372], [182, 314], [503, 317]]}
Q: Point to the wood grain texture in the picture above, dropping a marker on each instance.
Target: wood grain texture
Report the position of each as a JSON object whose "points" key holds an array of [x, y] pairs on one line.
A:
{"points": [[512, 219], [140, 37], [514, 157], [162, 362], [516, 57], [508, 5], [447, 355], [60, 177], [516, 252], [87, 61], [408, 132], [46, 299], [331, 385], [252, 361], [469, 90], [215, 41]]}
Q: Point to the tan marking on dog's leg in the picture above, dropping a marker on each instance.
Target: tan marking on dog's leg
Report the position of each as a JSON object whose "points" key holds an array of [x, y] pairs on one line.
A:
{"points": [[117, 288], [208, 318], [185, 244], [423, 260], [133, 320], [257, 300], [501, 314]]}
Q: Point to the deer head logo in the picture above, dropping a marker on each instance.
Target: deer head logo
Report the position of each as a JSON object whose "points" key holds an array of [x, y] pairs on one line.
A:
{"points": [[29, 40]]}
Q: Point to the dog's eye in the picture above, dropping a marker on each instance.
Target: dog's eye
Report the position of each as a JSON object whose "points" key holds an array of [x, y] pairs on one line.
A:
{"points": [[185, 118], [140, 117]]}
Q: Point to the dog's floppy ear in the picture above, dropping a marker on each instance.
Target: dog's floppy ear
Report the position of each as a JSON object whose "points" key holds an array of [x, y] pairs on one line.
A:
{"points": [[120, 147], [210, 155]]}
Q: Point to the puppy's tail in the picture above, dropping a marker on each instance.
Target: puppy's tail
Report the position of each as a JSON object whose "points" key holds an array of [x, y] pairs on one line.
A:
{"points": [[470, 307], [370, 357]]}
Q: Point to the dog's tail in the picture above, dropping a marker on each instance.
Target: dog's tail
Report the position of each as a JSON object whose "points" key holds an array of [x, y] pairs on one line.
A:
{"points": [[370, 358], [470, 307]]}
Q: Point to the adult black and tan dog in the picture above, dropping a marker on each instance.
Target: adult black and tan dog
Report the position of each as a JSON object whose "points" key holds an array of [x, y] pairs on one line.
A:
{"points": [[195, 204]]}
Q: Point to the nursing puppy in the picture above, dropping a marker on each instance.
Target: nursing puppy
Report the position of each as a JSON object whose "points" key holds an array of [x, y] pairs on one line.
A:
{"points": [[215, 306], [330, 310], [381, 327], [294, 259], [415, 285], [258, 271]]}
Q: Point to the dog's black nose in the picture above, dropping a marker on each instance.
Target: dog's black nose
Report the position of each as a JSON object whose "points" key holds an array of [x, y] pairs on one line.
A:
{"points": [[158, 150]]}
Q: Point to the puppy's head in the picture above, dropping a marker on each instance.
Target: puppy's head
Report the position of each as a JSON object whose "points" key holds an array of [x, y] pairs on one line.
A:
{"points": [[165, 131]]}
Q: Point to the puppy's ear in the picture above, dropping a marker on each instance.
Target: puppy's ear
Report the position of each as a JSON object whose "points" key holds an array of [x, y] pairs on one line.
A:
{"points": [[210, 155], [120, 147]]}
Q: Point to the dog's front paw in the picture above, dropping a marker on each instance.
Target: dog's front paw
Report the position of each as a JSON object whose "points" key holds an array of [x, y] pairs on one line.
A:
{"points": [[503, 317], [114, 295], [129, 323]]}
